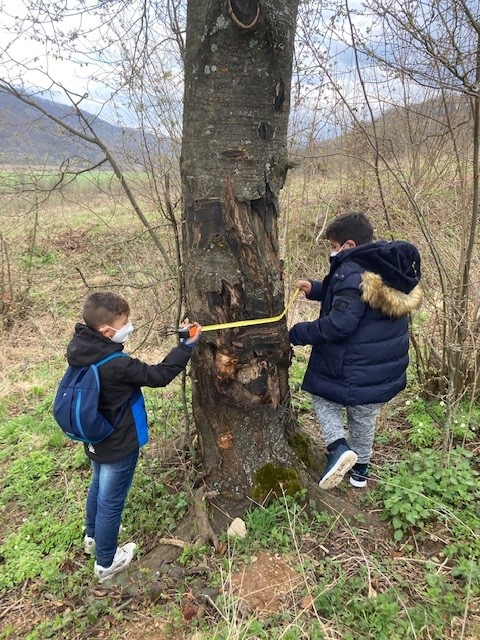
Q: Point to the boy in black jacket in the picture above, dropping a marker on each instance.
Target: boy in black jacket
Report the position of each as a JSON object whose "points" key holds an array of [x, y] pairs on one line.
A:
{"points": [[106, 329]]}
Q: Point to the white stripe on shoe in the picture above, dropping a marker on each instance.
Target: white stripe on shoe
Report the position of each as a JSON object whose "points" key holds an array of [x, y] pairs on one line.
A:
{"points": [[358, 481]]}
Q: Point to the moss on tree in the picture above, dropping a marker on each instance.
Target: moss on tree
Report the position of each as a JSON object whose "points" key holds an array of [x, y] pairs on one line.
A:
{"points": [[301, 445], [275, 481]]}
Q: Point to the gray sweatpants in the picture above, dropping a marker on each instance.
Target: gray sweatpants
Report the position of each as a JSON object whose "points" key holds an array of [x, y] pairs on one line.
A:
{"points": [[360, 421]]}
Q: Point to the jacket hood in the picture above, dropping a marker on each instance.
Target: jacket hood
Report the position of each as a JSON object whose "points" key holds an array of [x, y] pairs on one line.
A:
{"points": [[392, 274], [88, 346], [397, 263]]}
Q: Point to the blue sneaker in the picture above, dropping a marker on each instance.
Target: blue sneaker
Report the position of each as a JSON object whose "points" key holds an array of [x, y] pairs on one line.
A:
{"points": [[359, 477], [338, 463]]}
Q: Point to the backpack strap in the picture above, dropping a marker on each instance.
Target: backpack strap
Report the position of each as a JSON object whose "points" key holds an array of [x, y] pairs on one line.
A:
{"points": [[95, 366], [110, 357]]}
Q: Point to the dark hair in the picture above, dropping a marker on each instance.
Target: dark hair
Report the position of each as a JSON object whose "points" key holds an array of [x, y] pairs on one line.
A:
{"points": [[103, 307], [350, 226]]}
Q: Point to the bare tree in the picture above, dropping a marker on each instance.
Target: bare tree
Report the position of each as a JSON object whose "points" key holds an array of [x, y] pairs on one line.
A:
{"points": [[113, 42], [234, 163], [236, 103], [435, 45]]}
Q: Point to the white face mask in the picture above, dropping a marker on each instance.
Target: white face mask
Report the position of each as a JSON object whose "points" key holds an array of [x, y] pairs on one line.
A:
{"points": [[123, 334], [334, 253]]}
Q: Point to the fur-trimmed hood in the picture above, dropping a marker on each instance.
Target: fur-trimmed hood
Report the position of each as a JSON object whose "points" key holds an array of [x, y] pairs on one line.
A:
{"points": [[388, 300], [392, 274]]}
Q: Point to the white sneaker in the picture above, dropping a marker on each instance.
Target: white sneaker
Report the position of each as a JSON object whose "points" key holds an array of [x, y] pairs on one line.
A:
{"points": [[88, 545], [123, 557]]}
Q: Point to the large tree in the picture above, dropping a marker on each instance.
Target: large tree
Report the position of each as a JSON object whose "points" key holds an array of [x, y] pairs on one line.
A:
{"points": [[238, 68]]}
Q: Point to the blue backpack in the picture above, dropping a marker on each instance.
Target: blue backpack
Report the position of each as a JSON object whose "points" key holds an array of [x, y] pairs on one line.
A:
{"points": [[76, 406]]}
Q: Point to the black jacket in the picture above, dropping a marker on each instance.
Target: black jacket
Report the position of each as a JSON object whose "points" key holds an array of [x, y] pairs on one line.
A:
{"points": [[361, 341], [119, 378]]}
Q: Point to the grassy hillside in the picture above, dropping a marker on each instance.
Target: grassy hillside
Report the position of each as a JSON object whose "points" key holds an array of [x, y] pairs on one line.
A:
{"points": [[30, 138]]}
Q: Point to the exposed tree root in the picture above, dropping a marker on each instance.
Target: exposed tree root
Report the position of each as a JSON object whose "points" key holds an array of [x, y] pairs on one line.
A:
{"points": [[205, 530]]}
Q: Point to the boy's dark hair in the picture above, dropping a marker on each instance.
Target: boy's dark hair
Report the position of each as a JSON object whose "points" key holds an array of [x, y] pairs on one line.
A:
{"points": [[103, 307], [350, 226]]}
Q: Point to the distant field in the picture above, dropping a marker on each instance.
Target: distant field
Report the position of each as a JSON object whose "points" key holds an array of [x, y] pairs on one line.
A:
{"points": [[55, 247], [41, 181]]}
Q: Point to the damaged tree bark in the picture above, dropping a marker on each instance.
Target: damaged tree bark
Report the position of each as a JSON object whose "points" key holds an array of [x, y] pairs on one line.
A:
{"points": [[233, 166]]}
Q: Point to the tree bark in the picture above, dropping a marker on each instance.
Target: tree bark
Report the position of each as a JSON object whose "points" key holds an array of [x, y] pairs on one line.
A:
{"points": [[238, 70]]}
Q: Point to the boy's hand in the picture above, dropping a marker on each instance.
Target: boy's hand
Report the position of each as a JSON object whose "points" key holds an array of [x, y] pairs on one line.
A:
{"points": [[304, 285], [190, 334]]}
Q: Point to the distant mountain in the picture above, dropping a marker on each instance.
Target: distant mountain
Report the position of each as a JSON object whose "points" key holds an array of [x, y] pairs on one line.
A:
{"points": [[27, 137]]}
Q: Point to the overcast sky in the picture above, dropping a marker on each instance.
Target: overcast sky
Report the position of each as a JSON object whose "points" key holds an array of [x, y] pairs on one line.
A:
{"points": [[35, 63]]}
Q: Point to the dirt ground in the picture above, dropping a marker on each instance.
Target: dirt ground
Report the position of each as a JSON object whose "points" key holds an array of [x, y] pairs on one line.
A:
{"points": [[265, 586]]}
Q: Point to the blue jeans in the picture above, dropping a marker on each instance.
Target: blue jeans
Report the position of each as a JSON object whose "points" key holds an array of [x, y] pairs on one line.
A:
{"points": [[105, 501]]}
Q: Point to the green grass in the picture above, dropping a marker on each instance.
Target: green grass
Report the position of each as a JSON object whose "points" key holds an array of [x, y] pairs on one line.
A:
{"points": [[46, 180], [425, 490], [360, 594]]}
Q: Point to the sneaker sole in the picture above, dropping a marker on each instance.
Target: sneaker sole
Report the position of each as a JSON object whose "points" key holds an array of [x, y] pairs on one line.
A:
{"points": [[359, 484], [337, 473], [114, 572]]}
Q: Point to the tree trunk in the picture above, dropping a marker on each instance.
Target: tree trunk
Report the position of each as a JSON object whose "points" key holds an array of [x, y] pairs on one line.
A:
{"points": [[233, 165]]}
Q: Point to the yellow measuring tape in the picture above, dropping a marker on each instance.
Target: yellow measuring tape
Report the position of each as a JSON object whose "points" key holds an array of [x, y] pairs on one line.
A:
{"points": [[249, 323]]}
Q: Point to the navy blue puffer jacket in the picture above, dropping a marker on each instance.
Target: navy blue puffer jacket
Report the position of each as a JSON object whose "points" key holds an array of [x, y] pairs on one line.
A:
{"points": [[360, 341]]}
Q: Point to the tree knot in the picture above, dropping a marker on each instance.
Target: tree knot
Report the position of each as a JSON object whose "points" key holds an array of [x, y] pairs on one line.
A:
{"points": [[243, 13]]}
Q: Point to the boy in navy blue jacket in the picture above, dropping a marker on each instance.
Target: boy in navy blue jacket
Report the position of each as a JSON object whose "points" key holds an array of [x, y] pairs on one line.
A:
{"points": [[360, 341], [107, 327]]}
